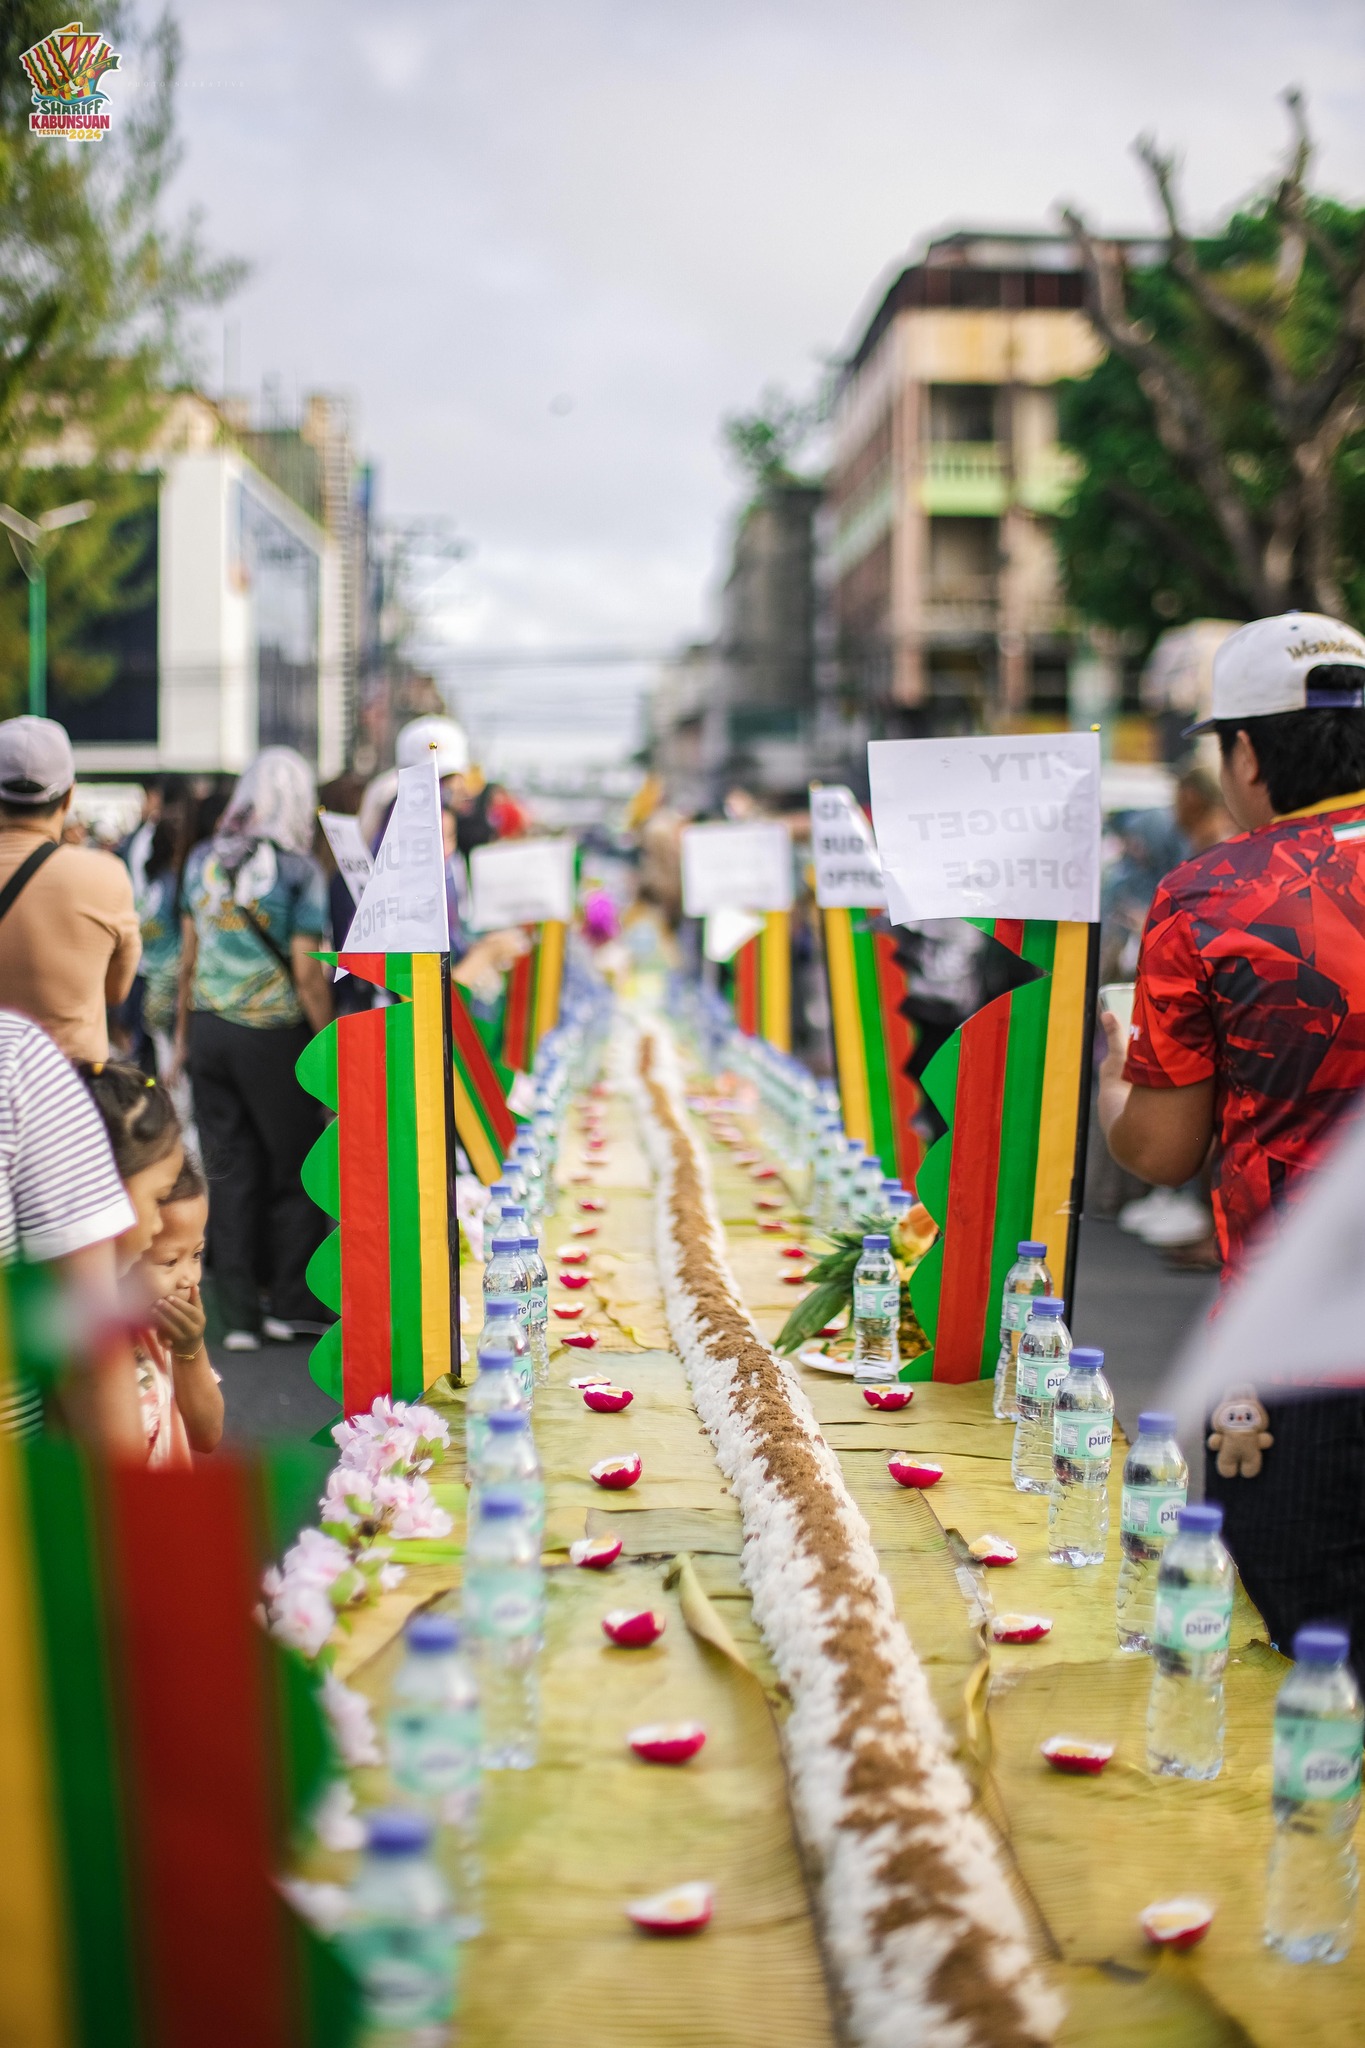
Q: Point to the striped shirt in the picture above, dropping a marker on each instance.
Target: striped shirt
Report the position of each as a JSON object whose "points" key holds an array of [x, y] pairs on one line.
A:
{"points": [[59, 1187]]}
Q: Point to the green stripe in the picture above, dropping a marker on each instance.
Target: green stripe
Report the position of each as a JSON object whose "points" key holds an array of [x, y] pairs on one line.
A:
{"points": [[405, 1240], [329, 1994], [398, 974], [293, 1476], [874, 1044], [1020, 1114], [939, 1082], [82, 1733]]}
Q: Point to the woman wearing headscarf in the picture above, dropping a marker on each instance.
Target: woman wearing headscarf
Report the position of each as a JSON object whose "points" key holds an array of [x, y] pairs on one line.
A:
{"points": [[251, 996]]}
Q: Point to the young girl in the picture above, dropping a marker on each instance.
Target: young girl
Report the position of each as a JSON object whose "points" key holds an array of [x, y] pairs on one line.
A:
{"points": [[144, 1136], [182, 1399]]}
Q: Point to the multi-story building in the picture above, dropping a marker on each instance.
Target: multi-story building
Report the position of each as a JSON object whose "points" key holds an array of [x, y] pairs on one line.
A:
{"points": [[254, 550], [946, 469]]}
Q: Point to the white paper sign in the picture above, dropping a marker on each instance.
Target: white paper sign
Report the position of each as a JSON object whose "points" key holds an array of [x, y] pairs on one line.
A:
{"points": [[355, 862], [403, 906], [725, 931], [736, 867], [848, 867], [1005, 826], [521, 881]]}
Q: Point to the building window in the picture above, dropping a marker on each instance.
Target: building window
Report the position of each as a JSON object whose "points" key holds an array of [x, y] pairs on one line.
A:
{"points": [[964, 559], [281, 574], [962, 412]]}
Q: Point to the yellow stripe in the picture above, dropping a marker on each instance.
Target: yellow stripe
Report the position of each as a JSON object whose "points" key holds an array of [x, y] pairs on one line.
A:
{"points": [[32, 2006], [1066, 1028], [471, 1134], [428, 1047], [776, 990], [549, 980], [1329, 803], [849, 1051]]}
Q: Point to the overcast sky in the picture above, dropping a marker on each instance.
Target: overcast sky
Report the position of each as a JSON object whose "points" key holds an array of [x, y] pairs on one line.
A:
{"points": [[545, 244]]}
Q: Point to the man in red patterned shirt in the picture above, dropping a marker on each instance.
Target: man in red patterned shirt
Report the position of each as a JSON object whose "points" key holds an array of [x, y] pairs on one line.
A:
{"points": [[1249, 1033]]}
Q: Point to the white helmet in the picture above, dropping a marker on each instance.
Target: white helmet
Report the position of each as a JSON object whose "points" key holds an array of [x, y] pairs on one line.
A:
{"points": [[415, 741]]}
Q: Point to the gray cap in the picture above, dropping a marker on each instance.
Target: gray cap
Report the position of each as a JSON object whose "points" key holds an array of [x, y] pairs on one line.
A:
{"points": [[36, 762]]}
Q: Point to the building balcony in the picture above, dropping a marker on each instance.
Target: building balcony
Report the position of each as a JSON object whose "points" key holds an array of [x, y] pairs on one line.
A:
{"points": [[972, 479], [964, 605]]}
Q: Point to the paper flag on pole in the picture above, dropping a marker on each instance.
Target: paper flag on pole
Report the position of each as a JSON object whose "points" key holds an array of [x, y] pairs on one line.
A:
{"points": [[1293, 1323], [355, 862], [848, 867], [736, 867], [403, 908]]}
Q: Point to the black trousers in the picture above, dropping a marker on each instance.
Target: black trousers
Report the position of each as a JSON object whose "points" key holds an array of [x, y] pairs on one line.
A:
{"points": [[1297, 1531], [256, 1126]]}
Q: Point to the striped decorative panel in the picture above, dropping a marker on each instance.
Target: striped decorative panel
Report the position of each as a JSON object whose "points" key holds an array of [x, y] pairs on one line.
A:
{"points": [[763, 982], [531, 998], [873, 1040], [1008, 1085]]}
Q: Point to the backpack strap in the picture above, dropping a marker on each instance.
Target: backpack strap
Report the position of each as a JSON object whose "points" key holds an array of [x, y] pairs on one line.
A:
{"points": [[24, 873]]}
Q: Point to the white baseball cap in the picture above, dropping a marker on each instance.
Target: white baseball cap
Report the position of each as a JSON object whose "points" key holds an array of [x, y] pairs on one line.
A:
{"points": [[415, 741], [37, 765], [1269, 666]]}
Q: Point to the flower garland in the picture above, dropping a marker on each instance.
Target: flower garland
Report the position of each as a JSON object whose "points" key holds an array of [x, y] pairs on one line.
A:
{"points": [[926, 1938]]}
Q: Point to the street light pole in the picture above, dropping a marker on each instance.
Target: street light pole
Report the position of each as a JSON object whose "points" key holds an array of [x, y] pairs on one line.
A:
{"points": [[32, 541]]}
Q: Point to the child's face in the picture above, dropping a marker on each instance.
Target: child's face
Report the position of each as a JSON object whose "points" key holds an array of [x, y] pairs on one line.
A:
{"points": [[146, 1191], [175, 1261]]}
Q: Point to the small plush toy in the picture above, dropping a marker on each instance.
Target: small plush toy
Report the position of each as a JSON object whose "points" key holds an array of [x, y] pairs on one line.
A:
{"points": [[1239, 1433]]}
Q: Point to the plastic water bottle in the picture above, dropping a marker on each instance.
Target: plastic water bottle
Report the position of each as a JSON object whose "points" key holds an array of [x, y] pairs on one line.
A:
{"points": [[1044, 1355], [876, 1311], [504, 1329], [498, 1194], [1155, 1477], [498, 1389], [504, 1609], [508, 1461], [537, 1308], [434, 1744], [505, 1280], [527, 1155], [867, 1192], [1190, 1649], [399, 1935], [1082, 1446], [846, 1194], [1311, 1882], [825, 1172], [1026, 1277]]}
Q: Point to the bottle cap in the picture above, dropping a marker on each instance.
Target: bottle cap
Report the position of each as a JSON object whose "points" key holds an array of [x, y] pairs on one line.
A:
{"points": [[396, 1832], [1031, 1249], [854, 1145], [497, 1358], [499, 1187], [432, 1635], [501, 1308], [1083, 1359], [498, 1506], [529, 1243], [1156, 1422], [876, 1241], [506, 1243], [870, 1161], [1045, 1305], [1321, 1643], [891, 1187], [514, 1212], [503, 1420], [1201, 1519]]}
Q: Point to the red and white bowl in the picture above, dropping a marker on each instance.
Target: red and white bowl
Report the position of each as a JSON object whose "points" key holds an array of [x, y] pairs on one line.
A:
{"points": [[1020, 1628], [591, 1379], [573, 1280], [794, 1251], [570, 1313], [632, 1628], [581, 1340], [1079, 1758], [888, 1397], [591, 1208], [595, 1553], [683, 1910], [667, 1742], [617, 1473], [908, 1470], [607, 1400], [992, 1550], [1176, 1923], [577, 1258]]}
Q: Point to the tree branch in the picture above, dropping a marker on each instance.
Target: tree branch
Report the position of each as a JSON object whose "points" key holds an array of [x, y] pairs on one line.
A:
{"points": [[1174, 537]]}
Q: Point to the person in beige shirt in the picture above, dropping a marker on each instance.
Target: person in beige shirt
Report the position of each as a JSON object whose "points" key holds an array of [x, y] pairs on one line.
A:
{"points": [[69, 941]]}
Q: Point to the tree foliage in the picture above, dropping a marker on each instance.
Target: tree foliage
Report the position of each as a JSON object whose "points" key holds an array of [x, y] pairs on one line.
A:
{"points": [[95, 289], [766, 443], [1223, 434]]}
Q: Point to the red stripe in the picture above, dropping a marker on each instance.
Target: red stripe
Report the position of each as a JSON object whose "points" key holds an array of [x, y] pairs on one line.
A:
{"points": [[899, 1038], [363, 1159], [969, 1225], [516, 1019], [365, 966], [479, 1072], [198, 1756], [746, 987]]}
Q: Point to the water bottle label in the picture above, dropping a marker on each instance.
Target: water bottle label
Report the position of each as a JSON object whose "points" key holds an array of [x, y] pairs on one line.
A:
{"points": [[880, 1300], [434, 1749], [1084, 1439], [1193, 1618], [1316, 1759], [1014, 1313], [507, 1603], [1039, 1378], [1151, 1510], [540, 1304], [407, 1971]]}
